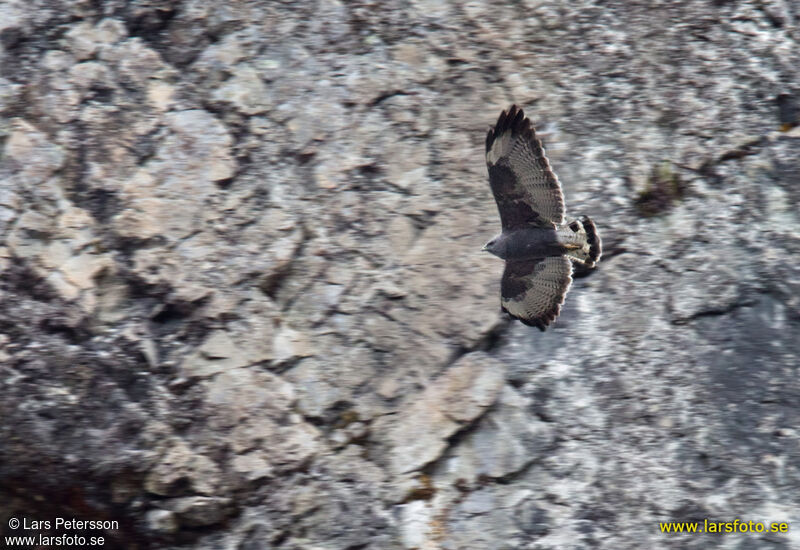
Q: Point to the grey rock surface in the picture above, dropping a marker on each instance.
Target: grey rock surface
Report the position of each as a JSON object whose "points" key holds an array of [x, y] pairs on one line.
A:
{"points": [[243, 303]]}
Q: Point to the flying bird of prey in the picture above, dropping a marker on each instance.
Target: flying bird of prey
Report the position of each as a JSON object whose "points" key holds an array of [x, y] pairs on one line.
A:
{"points": [[536, 244]]}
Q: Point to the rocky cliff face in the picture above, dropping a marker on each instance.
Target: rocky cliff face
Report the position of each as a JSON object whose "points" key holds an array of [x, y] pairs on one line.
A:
{"points": [[243, 303]]}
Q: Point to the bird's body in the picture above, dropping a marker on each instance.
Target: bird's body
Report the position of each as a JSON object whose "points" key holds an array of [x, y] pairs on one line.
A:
{"points": [[536, 244], [527, 243], [531, 243]]}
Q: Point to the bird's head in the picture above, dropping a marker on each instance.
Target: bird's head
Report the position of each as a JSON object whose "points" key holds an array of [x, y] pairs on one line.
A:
{"points": [[492, 247]]}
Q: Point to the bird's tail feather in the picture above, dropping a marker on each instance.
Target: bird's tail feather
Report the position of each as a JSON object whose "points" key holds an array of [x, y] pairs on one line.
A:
{"points": [[593, 238], [583, 240]]}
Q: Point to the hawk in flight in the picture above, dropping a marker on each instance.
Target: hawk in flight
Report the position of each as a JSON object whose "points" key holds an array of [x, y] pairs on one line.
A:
{"points": [[536, 244]]}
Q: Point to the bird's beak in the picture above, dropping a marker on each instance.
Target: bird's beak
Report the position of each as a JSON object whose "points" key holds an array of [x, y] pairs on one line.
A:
{"points": [[484, 247]]}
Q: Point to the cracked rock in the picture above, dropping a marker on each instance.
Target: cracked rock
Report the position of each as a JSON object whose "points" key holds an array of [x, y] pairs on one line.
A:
{"points": [[34, 156], [180, 465], [451, 402], [198, 511], [490, 449]]}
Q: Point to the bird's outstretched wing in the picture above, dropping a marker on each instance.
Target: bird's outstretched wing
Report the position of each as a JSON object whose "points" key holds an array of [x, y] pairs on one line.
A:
{"points": [[533, 290], [525, 188]]}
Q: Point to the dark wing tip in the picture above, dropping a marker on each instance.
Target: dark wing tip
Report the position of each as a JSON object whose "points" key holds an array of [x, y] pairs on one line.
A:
{"points": [[512, 119], [509, 119], [541, 324], [499, 127], [519, 120]]}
